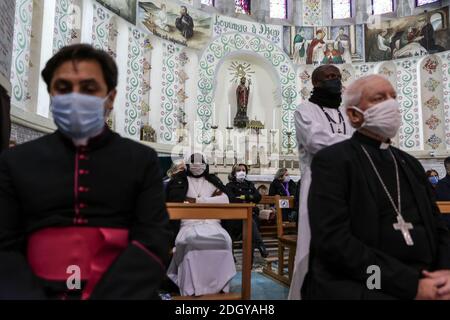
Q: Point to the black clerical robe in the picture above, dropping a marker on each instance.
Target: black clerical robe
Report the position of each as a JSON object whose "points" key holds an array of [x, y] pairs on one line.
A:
{"points": [[352, 221], [185, 24], [109, 191]]}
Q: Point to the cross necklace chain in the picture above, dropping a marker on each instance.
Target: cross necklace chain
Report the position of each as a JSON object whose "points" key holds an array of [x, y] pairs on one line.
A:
{"points": [[332, 121], [199, 190], [401, 225]]}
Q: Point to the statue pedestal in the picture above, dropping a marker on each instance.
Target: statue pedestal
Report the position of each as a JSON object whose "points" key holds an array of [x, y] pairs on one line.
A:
{"points": [[240, 121]]}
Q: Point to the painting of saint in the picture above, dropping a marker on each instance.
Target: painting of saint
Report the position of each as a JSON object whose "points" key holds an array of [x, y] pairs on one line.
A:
{"points": [[331, 55], [300, 47], [380, 49], [314, 53], [408, 37], [168, 20], [184, 23], [342, 41]]}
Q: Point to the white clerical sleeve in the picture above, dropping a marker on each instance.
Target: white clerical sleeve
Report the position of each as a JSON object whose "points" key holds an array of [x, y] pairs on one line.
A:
{"points": [[311, 134], [223, 198], [381, 44]]}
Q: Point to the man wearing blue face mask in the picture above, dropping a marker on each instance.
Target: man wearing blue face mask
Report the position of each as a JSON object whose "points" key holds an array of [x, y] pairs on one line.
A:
{"points": [[376, 231], [82, 212], [319, 122]]}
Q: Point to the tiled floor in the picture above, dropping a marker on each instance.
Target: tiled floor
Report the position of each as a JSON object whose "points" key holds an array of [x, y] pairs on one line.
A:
{"points": [[263, 288]]}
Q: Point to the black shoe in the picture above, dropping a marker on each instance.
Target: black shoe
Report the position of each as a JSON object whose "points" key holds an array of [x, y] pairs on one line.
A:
{"points": [[263, 251]]}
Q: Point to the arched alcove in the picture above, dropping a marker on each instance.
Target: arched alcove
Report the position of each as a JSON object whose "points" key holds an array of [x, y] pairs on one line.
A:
{"points": [[229, 43]]}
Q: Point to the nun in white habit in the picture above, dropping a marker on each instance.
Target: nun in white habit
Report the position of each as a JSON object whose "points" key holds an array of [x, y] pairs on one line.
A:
{"points": [[202, 261]]}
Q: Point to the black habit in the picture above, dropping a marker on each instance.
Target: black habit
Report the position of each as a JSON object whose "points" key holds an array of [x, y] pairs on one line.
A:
{"points": [[352, 220]]}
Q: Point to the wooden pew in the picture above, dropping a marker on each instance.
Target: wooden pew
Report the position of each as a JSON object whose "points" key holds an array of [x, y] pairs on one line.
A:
{"points": [[444, 206], [235, 211], [284, 240]]}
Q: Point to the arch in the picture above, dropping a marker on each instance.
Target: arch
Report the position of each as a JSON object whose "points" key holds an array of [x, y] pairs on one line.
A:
{"points": [[227, 44]]}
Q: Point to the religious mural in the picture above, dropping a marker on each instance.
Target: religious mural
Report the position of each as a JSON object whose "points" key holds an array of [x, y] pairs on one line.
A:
{"points": [[413, 36], [125, 9], [176, 23], [325, 45]]}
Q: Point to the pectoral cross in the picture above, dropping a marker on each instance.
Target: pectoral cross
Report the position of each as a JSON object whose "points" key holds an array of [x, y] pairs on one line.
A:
{"points": [[404, 227]]}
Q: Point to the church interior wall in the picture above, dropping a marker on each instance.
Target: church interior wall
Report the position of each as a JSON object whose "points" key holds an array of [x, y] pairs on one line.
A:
{"points": [[158, 84]]}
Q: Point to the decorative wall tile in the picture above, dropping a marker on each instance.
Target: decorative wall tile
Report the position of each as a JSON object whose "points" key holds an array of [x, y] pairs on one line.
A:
{"points": [[21, 53], [431, 95], [169, 99], [223, 46], [65, 30], [364, 69], [430, 65], [104, 30], [434, 141], [431, 84], [135, 89], [433, 122], [445, 57], [347, 73], [388, 69], [410, 134], [432, 103]]}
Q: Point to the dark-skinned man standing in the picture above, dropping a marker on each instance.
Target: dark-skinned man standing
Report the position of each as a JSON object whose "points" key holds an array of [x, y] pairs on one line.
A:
{"points": [[319, 122]]}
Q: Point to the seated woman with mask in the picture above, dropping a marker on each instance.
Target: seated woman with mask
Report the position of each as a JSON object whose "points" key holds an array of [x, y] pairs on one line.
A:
{"points": [[283, 185], [243, 191], [202, 262]]}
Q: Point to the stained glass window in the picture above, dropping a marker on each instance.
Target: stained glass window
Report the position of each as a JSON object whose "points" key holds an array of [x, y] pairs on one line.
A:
{"points": [[278, 9], [242, 6], [208, 2], [424, 2], [342, 9], [382, 6]]}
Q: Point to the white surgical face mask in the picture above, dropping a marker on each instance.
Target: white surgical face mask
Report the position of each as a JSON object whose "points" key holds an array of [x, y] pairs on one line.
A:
{"points": [[197, 169], [383, 119], [240, 175]]}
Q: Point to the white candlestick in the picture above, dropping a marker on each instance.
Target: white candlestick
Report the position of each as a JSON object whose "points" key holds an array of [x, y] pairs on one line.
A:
{"points": [[214, 114], [229, 115], [273, 119]]}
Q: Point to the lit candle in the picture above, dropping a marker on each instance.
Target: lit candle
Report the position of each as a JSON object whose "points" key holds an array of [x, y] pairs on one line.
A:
{"points": [[229, 115]]}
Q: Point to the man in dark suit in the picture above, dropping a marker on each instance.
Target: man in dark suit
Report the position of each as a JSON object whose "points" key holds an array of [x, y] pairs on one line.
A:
{"points": [[443, 186], [376, 232]]}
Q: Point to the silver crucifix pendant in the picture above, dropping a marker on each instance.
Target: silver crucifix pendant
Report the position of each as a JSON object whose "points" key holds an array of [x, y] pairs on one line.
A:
{"points": [[404, 227]]}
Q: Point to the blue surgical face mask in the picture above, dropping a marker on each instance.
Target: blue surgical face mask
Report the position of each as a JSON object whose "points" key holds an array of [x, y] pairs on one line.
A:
{"points": [[78, 116], [433, 179]]}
